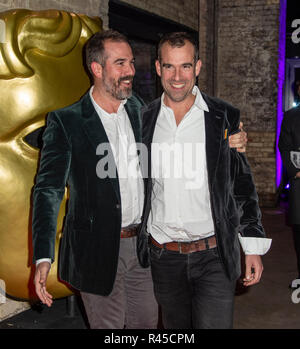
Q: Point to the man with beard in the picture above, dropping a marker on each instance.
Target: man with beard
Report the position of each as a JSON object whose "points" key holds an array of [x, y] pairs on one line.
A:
{"points": [[98, 249], [91, 147]]}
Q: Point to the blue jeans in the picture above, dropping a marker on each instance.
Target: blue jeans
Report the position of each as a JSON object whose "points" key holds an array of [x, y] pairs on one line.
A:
{"points": [[192, 289]]}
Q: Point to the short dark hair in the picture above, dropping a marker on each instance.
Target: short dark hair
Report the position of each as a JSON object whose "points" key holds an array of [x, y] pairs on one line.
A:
{"points": [[94, 49], [178, 39]]}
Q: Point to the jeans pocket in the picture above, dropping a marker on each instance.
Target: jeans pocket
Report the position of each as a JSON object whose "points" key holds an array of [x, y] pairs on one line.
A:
{"points": [[214, 251], [155, 252]]}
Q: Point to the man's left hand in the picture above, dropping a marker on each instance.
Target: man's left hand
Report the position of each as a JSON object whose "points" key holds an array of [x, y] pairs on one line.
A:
{"points": [[254, 269], [239, 140]]}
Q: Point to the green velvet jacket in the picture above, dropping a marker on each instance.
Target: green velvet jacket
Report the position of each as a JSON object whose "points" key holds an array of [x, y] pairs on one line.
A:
{"points": [[91, 236]]}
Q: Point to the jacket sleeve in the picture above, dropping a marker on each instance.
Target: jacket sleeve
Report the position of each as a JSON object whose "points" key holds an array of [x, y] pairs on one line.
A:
{"points": [[285, 146], [244, 191], [50, 187], [246, 198]]}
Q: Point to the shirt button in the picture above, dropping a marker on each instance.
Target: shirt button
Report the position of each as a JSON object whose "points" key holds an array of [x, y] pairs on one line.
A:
{"points": [[118, 206]]}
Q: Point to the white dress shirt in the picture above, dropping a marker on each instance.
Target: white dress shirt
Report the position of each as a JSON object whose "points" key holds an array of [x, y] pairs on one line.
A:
{"points": [[181, 208], [122, 141]]}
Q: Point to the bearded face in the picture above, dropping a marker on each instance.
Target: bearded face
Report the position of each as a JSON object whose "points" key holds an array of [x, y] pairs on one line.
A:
{"points": [[118, 88]]}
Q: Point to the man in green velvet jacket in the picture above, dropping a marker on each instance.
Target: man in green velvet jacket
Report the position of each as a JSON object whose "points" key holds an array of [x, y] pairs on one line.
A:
{"points": [[103, 127]]}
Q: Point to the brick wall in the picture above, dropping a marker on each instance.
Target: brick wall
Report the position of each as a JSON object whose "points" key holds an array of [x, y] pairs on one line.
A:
{"points": [[183, 12], [247, 59], [207, 46], [247, 56], [261, 156]]}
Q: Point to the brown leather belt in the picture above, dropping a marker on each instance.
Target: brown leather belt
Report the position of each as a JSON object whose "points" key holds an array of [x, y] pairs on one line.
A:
{"points": [[130, 231], [188, 247]]}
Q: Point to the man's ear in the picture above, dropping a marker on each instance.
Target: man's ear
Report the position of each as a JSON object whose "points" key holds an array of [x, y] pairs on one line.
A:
{"points": [[97, 69], [198, 67], [157, 66]]}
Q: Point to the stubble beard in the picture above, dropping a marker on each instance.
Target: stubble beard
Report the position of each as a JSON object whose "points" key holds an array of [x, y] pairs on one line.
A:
{"points": [[113, 88]]}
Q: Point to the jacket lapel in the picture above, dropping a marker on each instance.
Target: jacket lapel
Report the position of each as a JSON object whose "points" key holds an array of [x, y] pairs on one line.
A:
{"points": [[96, 134], [150, 115], [214, 135], [134, 114]]}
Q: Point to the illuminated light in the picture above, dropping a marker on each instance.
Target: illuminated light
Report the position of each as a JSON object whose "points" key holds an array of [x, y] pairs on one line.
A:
{"points": [[295, 104], [281, 78], [287, 186], [25, 98]]}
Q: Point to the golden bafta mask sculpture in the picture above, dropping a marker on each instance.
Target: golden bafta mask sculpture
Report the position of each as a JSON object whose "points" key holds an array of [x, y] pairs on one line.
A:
{"points": [[41, 70]]}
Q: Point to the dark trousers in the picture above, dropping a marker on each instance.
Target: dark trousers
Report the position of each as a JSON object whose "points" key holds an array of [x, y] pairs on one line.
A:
{"points": [[192, 289], [296, 235]]}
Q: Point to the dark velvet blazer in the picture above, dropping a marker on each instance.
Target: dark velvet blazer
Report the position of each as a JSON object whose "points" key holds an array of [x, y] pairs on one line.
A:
{"points": [[234, 200], [289, 140], [91, 236]]}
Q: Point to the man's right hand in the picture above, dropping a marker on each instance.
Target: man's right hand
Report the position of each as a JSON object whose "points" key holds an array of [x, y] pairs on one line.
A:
{"points": [[40, 279], [239, 140]]}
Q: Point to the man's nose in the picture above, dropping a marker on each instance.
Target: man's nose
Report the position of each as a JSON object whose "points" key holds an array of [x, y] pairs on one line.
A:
{"points": [[177, 74], [130, 69]]}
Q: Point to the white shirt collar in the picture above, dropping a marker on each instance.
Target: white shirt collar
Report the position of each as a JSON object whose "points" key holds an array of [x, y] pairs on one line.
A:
{"points": [[199, 101], [99, 109]]}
